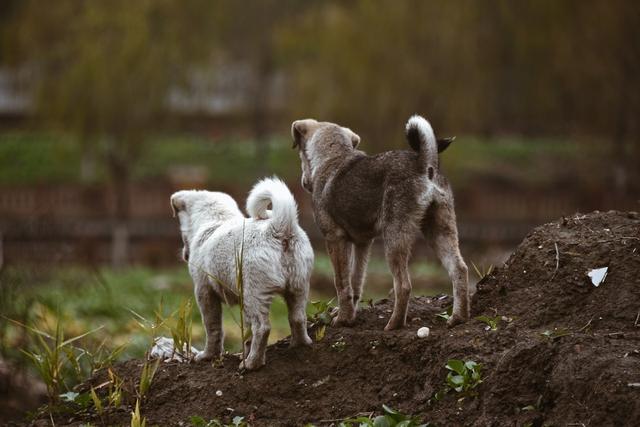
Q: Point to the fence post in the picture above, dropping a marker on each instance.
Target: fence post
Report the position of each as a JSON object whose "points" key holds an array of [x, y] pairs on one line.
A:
{"points": [[1, 251]]}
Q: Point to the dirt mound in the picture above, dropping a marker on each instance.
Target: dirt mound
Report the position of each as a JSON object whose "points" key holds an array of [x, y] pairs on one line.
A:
{"points": [[564, 353]]}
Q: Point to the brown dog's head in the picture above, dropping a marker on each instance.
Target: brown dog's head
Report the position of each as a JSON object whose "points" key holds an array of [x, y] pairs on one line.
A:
{"points": [[319, 141]]}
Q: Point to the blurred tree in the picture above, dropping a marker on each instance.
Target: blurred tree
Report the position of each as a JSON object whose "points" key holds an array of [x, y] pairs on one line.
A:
{"points": [[104, 69], [251, 38], [605, 64], [372, 64], [538, 67]]}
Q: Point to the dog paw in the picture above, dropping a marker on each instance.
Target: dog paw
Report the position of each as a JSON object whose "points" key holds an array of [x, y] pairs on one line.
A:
{"points": [[393, 325], [250, 365], [345, 321], [456, 319], [205, 357], [301, 342]]}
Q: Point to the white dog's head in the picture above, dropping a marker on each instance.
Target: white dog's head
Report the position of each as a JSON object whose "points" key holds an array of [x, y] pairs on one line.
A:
{"points": [[196, 208]]}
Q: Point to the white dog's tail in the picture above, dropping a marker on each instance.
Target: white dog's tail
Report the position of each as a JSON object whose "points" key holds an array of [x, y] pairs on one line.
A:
{"points": [[422, 139], [284, 211]]}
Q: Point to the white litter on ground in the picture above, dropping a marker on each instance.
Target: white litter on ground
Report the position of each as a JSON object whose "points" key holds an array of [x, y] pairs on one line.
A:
{"points": [[423, 332], [163, 349], [598, 275]]}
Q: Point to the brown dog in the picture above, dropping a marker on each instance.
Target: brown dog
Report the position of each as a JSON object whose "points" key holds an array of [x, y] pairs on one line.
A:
{"points": [[394, 194]]}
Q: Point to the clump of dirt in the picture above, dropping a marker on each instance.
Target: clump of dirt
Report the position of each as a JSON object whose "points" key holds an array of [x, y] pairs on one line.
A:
{"points": [[564, 353]]}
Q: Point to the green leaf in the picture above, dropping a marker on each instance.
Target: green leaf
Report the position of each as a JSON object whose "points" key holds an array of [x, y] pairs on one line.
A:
{"points": [[389, 411], [381, 421], [84, 400], [97, 403], [70, 340], [197, 421], [320, 332], [455, 365], [457, 380], [470, 364]]}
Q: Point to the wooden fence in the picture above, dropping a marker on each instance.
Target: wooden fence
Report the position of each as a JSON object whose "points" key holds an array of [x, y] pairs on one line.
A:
{"points": [[55, 224]]}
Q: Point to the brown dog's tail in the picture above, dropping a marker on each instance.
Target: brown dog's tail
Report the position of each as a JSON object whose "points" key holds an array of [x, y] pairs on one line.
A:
{"points": [[422, 139]]}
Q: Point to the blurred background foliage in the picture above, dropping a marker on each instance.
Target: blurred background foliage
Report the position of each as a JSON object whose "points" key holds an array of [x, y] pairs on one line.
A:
{"points": [[112, 74], [106, 107]]}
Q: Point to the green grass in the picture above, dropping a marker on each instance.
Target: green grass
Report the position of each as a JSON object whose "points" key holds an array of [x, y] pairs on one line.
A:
{"points": [[31, 158], [86, 299], [228, 161], [71, 301], [27, 158], [515, 159]]}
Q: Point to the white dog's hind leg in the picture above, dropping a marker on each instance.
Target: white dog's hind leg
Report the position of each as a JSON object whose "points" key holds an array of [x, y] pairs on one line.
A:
{"points": [[257, 313], [296, 306], [211, 311]]}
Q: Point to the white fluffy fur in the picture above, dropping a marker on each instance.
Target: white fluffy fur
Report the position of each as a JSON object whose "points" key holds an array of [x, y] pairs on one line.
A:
{"points": [[277, 259], [427, 138], [275, 192]]}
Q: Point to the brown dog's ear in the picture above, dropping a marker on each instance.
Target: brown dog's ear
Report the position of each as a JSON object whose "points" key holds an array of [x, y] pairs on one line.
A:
{"points": [[300, 130], [443, 143], [355, 139]]}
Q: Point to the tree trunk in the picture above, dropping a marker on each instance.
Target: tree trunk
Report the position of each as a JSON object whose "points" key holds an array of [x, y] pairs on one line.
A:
{"points": [[260, 119], [1, 251], [619, 152], [88, 163], [119, 169]]}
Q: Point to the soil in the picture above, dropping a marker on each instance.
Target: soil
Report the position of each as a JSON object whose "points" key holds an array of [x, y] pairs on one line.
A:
{"points": [[584, 371]]}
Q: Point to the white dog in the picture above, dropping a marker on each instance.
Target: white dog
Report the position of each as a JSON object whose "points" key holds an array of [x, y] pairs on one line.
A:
{"points": [[276, 255]]}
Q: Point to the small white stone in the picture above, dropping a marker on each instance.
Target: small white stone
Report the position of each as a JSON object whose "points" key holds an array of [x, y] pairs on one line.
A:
{"points": [[423, 332], [219, 393]]}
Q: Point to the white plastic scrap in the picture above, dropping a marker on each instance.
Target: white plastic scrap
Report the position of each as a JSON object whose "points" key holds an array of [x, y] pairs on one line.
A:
{"points": [[598, 275], [163, 349]]}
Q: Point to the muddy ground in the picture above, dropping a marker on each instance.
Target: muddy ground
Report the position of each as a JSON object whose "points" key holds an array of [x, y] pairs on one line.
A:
{"points": [[567, 353]]}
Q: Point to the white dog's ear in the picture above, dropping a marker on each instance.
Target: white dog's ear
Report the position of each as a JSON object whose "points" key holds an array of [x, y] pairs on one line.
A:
{"points": [[177, 204], [301, 130], [355, 139]]}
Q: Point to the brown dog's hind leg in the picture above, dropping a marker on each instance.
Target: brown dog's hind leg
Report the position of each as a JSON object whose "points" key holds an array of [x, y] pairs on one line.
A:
{"points": [[359, 270], [441, 231], [398, 260], [340, 253]]}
